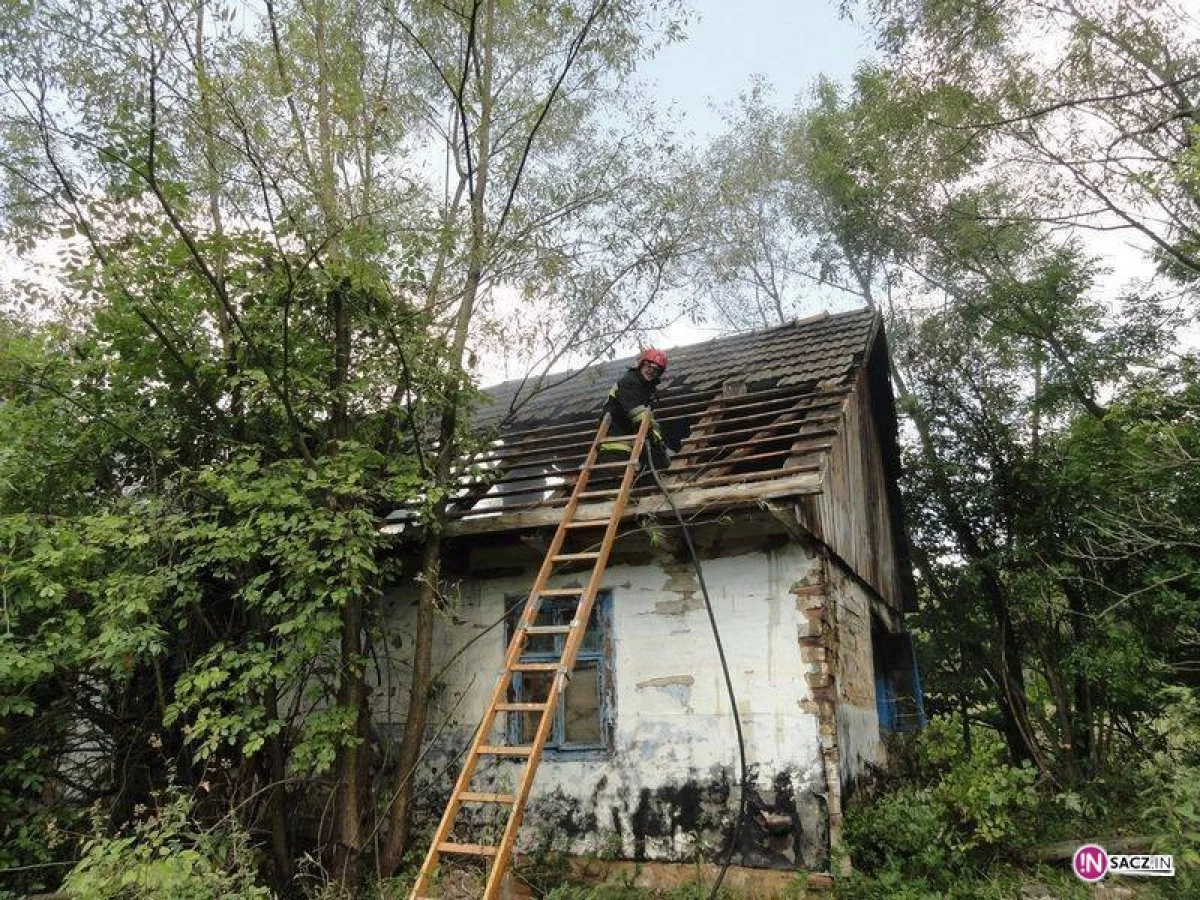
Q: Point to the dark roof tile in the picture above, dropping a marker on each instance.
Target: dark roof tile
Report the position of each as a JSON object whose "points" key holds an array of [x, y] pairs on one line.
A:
{"points": [[827, 349]]}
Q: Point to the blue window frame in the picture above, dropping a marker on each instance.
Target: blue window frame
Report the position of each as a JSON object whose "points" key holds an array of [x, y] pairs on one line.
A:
{"points": [[584, 717], [899, 698]]}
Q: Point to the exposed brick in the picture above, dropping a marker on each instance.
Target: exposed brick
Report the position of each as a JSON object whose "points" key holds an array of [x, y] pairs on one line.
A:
{"points": [[810, 590], [816, 615], [808, 630]]}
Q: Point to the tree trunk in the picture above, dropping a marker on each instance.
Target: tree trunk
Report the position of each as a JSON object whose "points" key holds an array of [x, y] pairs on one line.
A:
{"points": [[1009, 678], [276, 773], [346, 854], [399, 815], [399, 819]]}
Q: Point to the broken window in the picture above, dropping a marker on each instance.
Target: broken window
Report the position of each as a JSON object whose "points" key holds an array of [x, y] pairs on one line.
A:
{"points": [[583, 718], [899, 700]]}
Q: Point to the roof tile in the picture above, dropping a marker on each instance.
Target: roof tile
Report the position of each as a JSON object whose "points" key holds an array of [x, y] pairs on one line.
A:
{"points": [[828, 350]]}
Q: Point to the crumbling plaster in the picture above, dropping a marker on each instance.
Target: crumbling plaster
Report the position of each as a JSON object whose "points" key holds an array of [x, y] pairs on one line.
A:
{"points": [[664, 787], [860, 748]]}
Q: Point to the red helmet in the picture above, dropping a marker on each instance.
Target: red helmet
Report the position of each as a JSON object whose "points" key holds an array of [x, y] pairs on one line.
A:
{"points": [[657, 357]]}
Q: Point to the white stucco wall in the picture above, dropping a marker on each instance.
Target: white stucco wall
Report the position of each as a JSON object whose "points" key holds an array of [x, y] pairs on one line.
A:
{"points": [[664, 785]]}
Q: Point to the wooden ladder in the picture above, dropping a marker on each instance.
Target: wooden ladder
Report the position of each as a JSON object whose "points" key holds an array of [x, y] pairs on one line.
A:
{"points": [[501, 854]]}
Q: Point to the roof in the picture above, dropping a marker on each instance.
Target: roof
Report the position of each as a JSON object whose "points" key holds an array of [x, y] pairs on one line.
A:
{"points": [[821, 351], [751, 418]]}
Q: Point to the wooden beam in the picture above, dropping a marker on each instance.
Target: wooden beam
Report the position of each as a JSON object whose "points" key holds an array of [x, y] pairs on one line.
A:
{"points": [[514, 444], [688, 499], [797, 417]]}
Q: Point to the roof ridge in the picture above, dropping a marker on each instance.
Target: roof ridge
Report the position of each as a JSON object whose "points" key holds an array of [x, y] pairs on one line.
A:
{"points": [[821, 347], [814, 319]]}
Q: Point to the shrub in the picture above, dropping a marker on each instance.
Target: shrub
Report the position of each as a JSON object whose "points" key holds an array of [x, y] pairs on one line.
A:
{"points": [[904, 828], [956, 816], [168, 855], [1170, 798]]}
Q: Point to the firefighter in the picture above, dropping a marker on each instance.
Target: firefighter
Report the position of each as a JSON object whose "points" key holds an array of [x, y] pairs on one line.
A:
{"points": [[629, 402]]}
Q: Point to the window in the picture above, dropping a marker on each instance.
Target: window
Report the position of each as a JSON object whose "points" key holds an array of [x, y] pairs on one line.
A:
{"points": [[899, 700], [583, 720]]}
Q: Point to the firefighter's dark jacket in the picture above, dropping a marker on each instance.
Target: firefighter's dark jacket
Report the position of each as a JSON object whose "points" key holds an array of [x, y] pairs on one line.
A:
{"points": [[629, 401]]}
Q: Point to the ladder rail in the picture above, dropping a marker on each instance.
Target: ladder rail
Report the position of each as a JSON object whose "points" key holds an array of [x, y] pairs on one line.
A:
{"points": [[570, 653], [461, 792]]}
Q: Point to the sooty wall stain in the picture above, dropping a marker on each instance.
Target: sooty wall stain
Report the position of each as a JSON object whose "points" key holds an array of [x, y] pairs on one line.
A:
{"points": [[784, 828]]}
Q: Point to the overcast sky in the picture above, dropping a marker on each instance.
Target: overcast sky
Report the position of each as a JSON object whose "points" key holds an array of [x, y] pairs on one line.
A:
{"points": [[787, 42]]}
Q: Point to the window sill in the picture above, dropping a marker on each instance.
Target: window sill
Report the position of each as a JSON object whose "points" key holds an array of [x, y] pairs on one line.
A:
{"points": [[583, 754]]}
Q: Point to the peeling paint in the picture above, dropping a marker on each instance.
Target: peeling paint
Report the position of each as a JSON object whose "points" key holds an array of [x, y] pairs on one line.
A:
{"points": [[681, 580], [677, 687], [667, 680], [665, 790], [678, 607]]}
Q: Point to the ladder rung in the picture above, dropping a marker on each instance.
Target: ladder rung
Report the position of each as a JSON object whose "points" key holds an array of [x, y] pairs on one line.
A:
{"points": [[589, 523], [468, 849], [606, 493], [505, 751], [476, 797], [611, 465], [536, 667], [560, 592], [548, 629], [520, 707], [571, 557]]}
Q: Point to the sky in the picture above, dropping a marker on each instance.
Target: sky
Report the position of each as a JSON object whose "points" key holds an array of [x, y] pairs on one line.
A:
{"points": [[787, 42]]}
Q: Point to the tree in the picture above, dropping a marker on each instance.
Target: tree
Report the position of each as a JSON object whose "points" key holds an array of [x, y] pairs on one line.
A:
{"points": [[757, 238], [269, 314], [1007, 351], [1098, 122]]}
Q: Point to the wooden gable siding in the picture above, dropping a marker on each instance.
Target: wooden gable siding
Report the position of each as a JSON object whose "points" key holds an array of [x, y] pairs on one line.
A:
{"points": [[852, 513]]}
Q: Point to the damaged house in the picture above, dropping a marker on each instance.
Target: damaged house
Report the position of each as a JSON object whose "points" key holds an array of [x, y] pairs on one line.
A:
{"points": [[785, 470]]}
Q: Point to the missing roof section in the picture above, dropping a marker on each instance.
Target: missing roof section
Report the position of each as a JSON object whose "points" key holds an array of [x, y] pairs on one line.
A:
{"points": [[746, 409]]}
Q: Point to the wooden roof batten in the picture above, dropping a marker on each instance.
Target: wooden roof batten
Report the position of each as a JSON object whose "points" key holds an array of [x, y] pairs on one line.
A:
{"points": [[704, 459], [757, 415]]}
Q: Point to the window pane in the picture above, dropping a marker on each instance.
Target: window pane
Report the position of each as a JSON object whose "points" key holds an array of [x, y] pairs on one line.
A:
{"points": [[534, 688], [547, 644], [582, 707], [579, 716], [593, 641]]}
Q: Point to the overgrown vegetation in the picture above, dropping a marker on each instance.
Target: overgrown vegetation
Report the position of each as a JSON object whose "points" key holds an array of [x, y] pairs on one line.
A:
{"points": [[1048, 396], [958, 823], [258, 339], [165, 855]]}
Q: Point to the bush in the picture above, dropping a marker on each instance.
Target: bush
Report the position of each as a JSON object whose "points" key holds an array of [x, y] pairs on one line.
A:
{"points": [[905, 828], [168, 855], [1170, 798], [989, 805], [957, 816]]}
